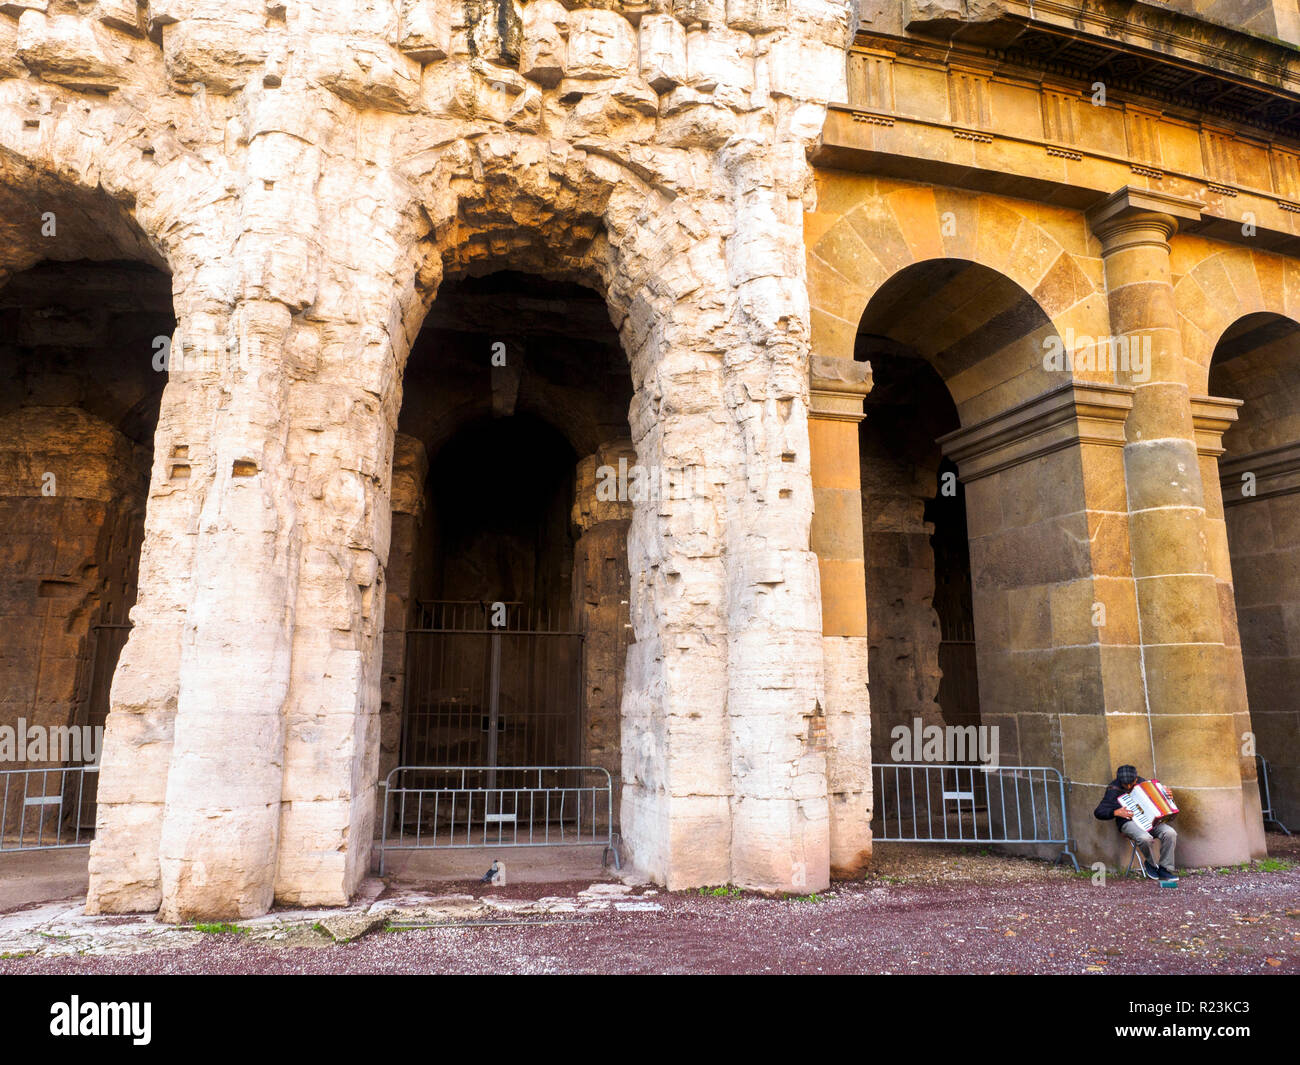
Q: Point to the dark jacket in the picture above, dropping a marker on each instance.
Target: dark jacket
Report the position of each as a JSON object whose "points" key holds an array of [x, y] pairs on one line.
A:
{"points": [[1110, 803]]}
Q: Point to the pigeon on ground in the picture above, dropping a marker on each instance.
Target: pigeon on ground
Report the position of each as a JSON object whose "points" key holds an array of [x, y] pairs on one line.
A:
{"points": [[490, 875]]}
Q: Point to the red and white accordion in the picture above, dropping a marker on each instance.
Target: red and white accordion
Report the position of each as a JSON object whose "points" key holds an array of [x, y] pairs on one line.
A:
{"points": [[1149, 802]]}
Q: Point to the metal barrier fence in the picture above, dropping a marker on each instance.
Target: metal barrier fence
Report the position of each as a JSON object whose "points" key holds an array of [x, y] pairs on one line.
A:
{"points": [[1266, 796], [47, 809], [449, 807], [923, 803]]}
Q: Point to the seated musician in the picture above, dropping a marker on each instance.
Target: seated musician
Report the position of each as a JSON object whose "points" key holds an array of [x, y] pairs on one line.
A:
{"points": [[1109, 808]]}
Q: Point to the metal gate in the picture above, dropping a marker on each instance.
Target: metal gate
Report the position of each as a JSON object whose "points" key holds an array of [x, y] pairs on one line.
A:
{"points": [[442, 807], [46, 809], [927, 803], [485, 695]]}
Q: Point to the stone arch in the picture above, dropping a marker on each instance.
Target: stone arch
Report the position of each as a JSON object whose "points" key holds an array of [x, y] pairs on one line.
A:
{"points": [[111, 167], [1216, 286], [866, 234], [983, 334], [1043, 536], [718, 352]]}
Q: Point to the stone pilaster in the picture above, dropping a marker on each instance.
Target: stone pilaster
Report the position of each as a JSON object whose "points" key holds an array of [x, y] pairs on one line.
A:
{"points": [[835, 408], [1194, 691], [1212, 416], [1261, 493], [1055, 614]]}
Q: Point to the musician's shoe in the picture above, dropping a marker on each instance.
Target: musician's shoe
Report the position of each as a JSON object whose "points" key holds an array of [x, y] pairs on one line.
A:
{"points": [[1166, 874], [1152, 871]]}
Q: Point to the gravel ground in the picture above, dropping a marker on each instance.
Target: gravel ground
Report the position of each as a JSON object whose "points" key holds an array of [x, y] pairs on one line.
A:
{"points": [[923, 910]]}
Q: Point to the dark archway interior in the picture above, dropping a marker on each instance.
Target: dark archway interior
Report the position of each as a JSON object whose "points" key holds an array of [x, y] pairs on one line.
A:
{"points": [[515, 388], [79, 404], [919, 612], [500, 492]]}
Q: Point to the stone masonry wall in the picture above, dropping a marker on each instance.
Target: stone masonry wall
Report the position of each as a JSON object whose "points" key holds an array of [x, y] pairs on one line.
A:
{"points": [[310, 174]]}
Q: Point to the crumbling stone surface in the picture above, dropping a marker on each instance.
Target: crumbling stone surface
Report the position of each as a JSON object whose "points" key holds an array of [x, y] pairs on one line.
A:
{"points": [[310, 175]]}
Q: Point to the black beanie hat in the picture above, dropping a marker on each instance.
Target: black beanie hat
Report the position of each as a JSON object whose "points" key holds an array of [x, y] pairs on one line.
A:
{"points": [[1126, 774]]}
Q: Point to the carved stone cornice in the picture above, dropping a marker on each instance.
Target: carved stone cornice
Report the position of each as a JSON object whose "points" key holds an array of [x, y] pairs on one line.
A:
{"points": [[1075, 413], [837, 388], [1275, 472], [1172, 56], [1212, 416]]}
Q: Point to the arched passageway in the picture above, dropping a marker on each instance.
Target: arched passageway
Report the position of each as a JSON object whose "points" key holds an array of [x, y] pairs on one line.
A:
{"points": [[1257, 362], [952, 345], [506, 624], [992, 475], [919, 612]]}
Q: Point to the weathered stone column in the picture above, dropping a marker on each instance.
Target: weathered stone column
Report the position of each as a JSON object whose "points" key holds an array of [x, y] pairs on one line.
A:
{"points": [[675, 814], [835, 408], [125, 874], [780, 836], [1194, 690], [220, 830]]}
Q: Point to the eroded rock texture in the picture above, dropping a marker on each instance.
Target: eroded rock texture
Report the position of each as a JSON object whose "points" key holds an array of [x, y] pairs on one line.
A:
{"points": [[310, 174]]}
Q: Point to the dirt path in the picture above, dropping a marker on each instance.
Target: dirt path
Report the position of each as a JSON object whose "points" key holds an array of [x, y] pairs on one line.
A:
{"points": [[932, 912]]}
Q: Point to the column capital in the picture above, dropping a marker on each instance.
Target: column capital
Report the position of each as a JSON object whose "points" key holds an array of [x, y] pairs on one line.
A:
{"points": [[1131, 216], [837, 388]]}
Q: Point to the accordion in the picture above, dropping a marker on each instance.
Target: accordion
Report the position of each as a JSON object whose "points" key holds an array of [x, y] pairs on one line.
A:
{"points": [[1149, 802]]}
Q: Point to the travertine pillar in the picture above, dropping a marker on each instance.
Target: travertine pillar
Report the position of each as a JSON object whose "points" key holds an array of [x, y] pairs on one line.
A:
{"points": [[124, 866], [835, 409], [1194, 690], [220, 832]]}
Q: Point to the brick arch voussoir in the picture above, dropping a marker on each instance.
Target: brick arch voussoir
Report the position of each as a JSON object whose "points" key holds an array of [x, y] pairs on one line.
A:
{"points": [[1195, 293], [872, 235]]}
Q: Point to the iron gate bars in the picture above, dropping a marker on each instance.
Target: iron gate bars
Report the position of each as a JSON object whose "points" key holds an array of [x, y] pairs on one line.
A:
{"points": [[44, 809], [924, 803], [457, 808]]}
